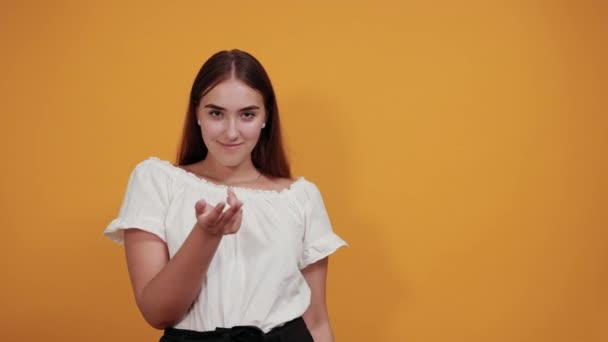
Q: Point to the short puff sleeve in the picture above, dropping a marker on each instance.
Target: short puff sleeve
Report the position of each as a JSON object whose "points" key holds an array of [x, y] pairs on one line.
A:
{"points": [[145, 202], [319, 237]]}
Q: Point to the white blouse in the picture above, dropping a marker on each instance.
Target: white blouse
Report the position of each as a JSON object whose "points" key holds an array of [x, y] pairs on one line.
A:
{"points": [[254, 277]]}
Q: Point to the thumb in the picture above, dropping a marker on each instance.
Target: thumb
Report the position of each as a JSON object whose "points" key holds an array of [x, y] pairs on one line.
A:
{"points": [[199, 207]]}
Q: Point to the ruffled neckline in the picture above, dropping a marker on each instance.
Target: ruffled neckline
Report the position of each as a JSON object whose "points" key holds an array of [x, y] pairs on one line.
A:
{"points": [[255, 191]]}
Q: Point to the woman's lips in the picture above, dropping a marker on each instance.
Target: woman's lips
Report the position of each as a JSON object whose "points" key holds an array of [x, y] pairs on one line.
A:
{"points": [[231, 146]]}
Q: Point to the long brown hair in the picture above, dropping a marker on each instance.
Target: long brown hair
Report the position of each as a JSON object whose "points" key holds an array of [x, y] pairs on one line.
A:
{"points": [[268, 155]]}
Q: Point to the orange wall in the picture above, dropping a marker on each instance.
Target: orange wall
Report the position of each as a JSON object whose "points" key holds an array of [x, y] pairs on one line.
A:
{"points": [[460, 147]]}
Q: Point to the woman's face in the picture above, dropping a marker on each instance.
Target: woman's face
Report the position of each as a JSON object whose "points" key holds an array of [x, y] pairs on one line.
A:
{"points": [[231, 116]]}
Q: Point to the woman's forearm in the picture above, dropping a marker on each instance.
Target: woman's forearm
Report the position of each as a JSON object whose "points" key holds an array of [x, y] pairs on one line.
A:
{"points": [[169, 295]]}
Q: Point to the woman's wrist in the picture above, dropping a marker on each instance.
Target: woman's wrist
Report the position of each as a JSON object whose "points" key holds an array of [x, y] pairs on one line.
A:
{"points": [[209, 233]]}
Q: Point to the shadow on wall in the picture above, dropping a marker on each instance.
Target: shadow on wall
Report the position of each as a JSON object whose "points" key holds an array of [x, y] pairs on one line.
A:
{"points": [[364, 291]]}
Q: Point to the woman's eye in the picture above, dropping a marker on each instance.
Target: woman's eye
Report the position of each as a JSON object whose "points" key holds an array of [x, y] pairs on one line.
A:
{"points": [[215, 113], [248, 115]]}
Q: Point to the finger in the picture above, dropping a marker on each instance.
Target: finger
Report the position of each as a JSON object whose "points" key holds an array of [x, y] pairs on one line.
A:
{"points": [[231, 199], [228, 214], [236, 204], [213, 215], [234, 224], [199, 207]]}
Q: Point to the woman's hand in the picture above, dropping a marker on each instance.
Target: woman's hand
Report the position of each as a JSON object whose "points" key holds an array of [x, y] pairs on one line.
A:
{"points": [[216, 221]]}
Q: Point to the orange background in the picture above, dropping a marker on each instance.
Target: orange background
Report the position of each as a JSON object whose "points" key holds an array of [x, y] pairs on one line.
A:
{"points": [[460, 147]]}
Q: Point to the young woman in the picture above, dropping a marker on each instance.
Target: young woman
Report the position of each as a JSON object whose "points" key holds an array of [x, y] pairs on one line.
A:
{"points": [[225, 245]]}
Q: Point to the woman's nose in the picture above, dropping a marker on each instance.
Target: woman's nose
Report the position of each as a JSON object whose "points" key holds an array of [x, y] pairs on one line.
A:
{"points": [[232, 130]]}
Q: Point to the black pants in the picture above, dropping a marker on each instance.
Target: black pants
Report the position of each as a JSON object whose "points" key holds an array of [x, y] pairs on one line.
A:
{"points": [[292, 331]]}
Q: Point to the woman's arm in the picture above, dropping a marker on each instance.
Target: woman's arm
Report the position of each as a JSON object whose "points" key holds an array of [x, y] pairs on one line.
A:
{"points": [[165, 288], [316, 316]]}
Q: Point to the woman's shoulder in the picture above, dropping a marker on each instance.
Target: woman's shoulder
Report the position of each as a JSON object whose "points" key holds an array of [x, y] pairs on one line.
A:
{"points": [[277, 183], [298, 185], [153, 168]]}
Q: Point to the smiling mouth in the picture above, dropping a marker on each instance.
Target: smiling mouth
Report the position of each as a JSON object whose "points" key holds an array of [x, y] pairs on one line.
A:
{"points": [[231, 145]]}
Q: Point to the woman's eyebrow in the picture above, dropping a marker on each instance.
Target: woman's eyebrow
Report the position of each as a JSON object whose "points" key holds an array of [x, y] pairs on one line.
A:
{"points": [[249, 108], [212, 106], [216, 107]]}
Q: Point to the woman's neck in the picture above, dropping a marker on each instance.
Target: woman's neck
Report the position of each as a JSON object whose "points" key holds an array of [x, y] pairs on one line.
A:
{"points": [[238, 174]]}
